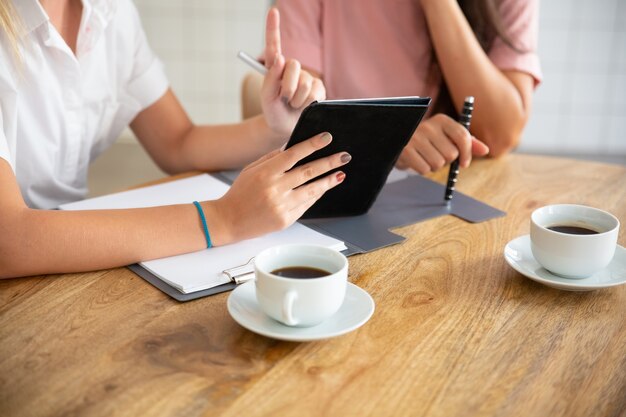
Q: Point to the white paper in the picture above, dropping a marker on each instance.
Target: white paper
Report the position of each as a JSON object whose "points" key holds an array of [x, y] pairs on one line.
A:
{"points": [[183, 191], [200, 270]]}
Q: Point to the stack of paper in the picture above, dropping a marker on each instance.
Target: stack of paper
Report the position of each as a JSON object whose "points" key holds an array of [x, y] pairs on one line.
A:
{"points": [[204, 269]]}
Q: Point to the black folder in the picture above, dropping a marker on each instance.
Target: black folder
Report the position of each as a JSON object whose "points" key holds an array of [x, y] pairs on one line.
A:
{"points": [[373, 131]]}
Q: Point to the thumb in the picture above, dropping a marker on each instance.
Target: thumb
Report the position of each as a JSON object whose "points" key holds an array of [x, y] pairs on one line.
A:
{"points": [[479, 148]]}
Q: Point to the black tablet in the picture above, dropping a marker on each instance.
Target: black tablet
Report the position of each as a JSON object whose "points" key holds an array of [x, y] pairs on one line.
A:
{"points": [[373, 131]]}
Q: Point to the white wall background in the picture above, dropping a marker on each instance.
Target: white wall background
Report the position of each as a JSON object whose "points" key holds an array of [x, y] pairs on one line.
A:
{"points": [[581, 106], [579, 109], [198, 41]]}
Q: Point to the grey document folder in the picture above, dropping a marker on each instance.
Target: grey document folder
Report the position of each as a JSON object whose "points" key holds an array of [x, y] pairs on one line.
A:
{"points": [[401, 203]]}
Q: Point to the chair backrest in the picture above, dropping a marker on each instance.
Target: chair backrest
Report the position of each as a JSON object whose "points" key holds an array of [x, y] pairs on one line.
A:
{"points": [[251, 95]]}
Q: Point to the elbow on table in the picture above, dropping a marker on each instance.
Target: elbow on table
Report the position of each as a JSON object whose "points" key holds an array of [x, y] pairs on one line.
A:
{"points": [[504, 134], [501, 143], [501, 149]]}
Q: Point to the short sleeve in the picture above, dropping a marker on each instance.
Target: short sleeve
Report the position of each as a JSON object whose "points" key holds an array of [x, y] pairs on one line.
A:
{"points": [[4, 144], [8, 115], [148, 81], [520, 18], [301, 31]]}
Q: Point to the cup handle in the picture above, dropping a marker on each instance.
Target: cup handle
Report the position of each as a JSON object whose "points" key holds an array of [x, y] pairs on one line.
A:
{"points": [[288, 301]]}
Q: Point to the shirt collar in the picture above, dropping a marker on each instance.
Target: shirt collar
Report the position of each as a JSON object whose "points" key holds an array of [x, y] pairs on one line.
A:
{"points": [[104, 10], [31, 13], [97, 14]]}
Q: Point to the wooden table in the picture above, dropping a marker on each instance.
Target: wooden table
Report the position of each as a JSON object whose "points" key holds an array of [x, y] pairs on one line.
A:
{"points": [[456, 331]]}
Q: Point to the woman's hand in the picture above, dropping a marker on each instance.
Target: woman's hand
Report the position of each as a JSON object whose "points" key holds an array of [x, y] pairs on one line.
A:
{"points": [[287, 88], [268, 195], [438, 141]]}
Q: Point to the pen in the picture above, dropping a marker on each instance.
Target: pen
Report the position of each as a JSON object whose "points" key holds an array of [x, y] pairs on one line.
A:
{"points": [[248, 59], [464, 118]]}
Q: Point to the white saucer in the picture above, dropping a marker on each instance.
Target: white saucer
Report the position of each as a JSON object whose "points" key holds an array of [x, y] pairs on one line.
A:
{"points": [[355, 311], [518, 254]]}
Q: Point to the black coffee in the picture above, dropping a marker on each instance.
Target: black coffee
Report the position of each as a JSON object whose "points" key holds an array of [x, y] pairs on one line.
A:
{"points": [[302, 272], [573, 230]]}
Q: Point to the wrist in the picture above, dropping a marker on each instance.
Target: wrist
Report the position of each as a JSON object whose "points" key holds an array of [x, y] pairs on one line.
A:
{"points": [[270, 135], [218, 223]]}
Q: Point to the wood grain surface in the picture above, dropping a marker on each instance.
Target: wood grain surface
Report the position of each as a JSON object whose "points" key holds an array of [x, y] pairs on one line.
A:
{"points": [[456, 331]]}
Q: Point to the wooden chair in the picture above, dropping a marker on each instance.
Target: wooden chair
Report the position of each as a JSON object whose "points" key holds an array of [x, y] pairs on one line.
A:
{"points": [[251, 95]]}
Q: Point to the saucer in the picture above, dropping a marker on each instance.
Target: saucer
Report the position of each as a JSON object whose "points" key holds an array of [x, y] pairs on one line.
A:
{"points": [[355, 311], [518, 254]]}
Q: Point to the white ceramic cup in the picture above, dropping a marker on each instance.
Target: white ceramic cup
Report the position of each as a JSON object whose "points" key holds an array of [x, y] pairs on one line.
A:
{"points": [[300, 302], [573, 255]]}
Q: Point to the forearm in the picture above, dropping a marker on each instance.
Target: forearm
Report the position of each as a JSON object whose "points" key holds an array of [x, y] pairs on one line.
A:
{"points": [[177, 145], [220, 147], [500, 113], [36, 242], [51, 241]]}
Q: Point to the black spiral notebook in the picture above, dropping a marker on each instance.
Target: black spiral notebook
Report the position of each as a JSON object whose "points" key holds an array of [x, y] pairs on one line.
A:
{"points": [[373, 131]]}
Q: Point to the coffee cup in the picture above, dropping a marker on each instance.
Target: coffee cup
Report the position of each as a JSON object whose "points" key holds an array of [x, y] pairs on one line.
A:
{"points": [[573, 241], [300, 285]]}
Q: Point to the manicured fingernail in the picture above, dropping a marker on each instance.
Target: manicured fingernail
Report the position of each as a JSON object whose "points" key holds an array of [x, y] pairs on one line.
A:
{"points": [[346, 157], [326, 138], [340, 176]]}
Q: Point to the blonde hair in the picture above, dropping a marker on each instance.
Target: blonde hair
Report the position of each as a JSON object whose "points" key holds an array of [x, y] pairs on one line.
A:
{"points": [[11, 25]]}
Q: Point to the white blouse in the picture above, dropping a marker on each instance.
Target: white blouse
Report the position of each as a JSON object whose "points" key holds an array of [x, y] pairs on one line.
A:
{"points": [[59, 111]]}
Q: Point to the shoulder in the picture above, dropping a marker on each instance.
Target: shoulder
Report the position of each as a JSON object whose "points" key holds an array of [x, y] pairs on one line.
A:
{"points": [[127, 8], [125, 26], [126, 15]]}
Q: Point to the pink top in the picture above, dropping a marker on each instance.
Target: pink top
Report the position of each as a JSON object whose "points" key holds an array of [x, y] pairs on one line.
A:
{"points": [[382, 48]]}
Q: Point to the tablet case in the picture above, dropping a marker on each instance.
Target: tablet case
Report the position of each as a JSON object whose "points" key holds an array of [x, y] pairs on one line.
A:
{"points": [[373, 131]]}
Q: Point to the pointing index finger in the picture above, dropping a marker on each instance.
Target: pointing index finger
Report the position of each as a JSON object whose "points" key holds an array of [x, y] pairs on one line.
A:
{"points": [[272, 36]]}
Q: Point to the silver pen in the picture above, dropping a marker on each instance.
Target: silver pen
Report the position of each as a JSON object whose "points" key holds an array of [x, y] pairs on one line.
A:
{"points": [[248, 59]]}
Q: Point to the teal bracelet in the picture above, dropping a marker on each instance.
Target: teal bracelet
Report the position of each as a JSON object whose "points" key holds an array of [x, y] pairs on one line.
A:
{"points": [[204, 226]]}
